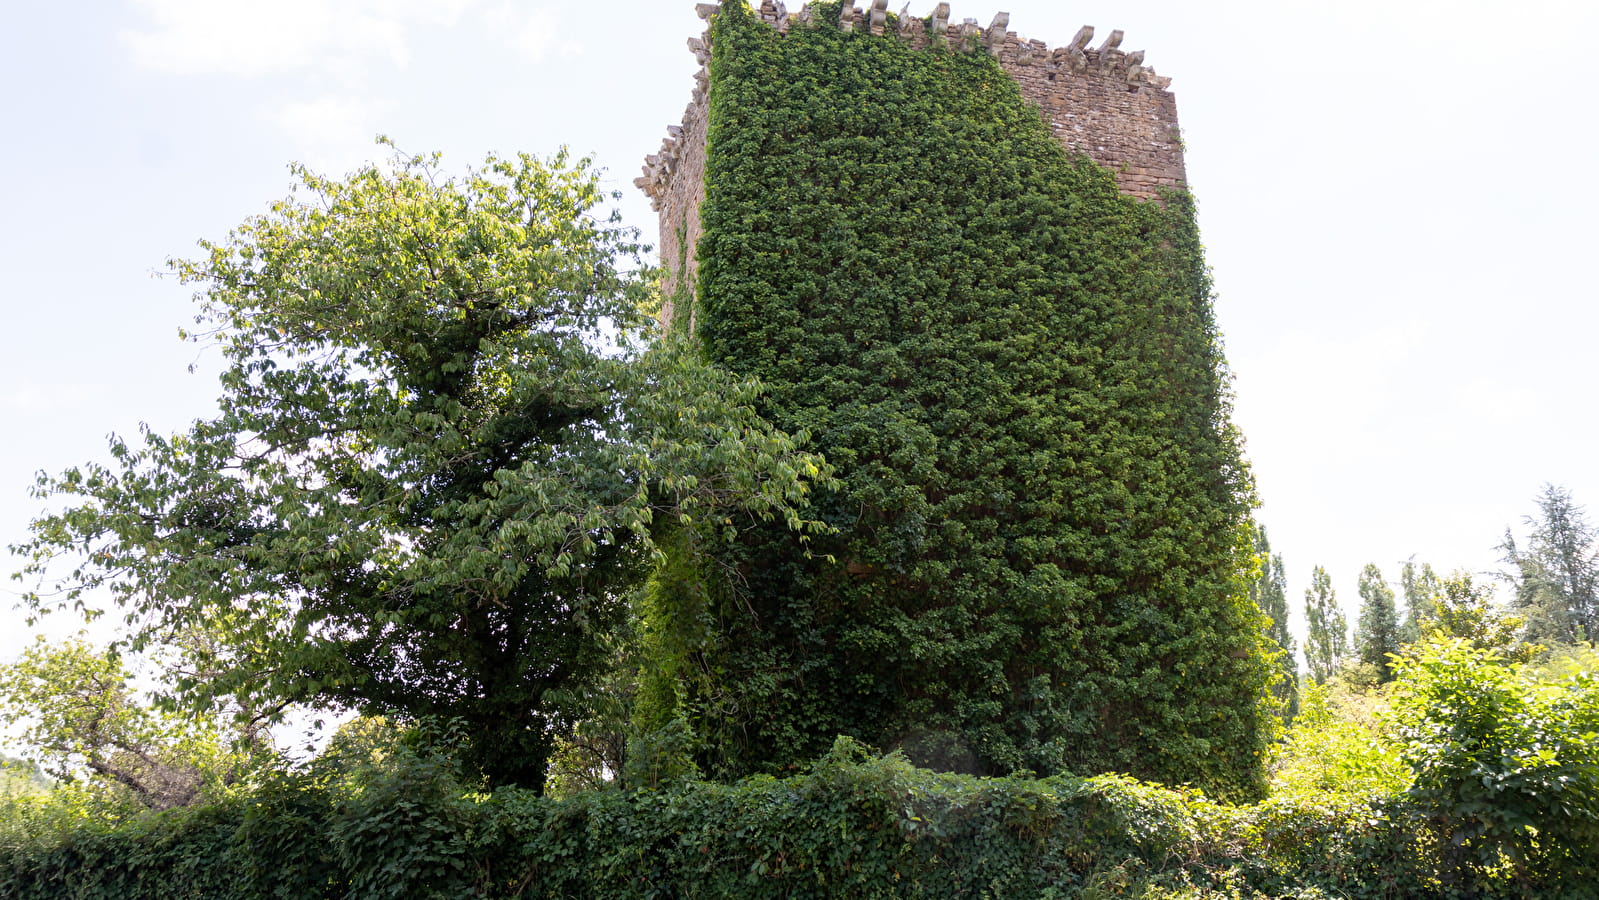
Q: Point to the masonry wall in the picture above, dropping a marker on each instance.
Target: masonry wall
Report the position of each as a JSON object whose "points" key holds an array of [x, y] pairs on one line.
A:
{"points": [[1099, 100]]}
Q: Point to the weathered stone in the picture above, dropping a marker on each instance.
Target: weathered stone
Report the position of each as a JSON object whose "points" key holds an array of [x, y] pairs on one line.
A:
{"points": [[994, 37], [1111, 43]]}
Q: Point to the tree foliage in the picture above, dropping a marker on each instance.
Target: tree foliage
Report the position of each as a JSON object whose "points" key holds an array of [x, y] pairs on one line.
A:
{"points": [[1042, 547], [21, 777], [1466, 611], [1422, 590], [1270, 593], [1327, 643], [1377, 630], [1337, 748], [430, 483], [79, 719], [1506, 768], [1556, 578]]}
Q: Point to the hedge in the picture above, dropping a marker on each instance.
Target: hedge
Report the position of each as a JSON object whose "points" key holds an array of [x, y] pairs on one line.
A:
{"points": [[853, 826]]}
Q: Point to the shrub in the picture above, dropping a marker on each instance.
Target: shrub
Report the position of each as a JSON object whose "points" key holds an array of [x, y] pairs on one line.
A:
{"points": [[1506, 768]]}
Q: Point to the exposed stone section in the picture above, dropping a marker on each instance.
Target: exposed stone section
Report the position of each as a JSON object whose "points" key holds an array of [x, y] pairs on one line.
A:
{"points": [[1103, 102], [674, 178]]}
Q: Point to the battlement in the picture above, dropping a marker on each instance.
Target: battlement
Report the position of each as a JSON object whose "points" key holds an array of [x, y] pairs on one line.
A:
{"points": [[1099, 100]]}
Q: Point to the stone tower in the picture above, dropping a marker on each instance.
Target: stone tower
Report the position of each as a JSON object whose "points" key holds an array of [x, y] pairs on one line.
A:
{"points": [[965, 265]]}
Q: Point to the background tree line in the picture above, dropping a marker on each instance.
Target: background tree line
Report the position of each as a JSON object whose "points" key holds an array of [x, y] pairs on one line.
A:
{"points": [[1552, 581]]}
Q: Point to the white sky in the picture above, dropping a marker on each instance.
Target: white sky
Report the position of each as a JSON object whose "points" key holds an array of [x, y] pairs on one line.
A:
{"points": [[1396, 198]]}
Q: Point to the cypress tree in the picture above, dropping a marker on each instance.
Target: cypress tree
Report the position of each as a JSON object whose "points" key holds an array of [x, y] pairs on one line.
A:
{"points": [[1377, 632], [1042, 532]]}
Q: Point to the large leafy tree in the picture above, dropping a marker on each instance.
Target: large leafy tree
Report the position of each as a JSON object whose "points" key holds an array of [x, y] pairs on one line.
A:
{"points": [[1327, 643], [435, 466], [1377, 630]]}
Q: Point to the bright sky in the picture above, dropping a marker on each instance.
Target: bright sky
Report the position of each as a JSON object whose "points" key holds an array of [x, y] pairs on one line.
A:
{"points": [[1395, 197]]}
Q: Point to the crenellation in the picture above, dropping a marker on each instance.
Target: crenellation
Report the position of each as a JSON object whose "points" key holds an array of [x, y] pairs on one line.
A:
{"points": [[968, 34], [995, 37], [1107, 52], [879, 17], [910, 27], [1102, 102], [773, 14]]}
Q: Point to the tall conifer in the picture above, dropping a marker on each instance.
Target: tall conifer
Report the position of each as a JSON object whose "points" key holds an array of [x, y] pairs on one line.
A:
{"points": [[1377, 632]]}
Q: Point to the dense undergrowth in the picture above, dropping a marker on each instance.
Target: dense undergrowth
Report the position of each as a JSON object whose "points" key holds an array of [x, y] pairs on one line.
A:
{"points": [[1476, 778], [1034, 565]]}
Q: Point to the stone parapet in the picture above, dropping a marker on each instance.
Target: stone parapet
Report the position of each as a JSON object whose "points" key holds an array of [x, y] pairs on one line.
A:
{"points": [[1099, 100]]}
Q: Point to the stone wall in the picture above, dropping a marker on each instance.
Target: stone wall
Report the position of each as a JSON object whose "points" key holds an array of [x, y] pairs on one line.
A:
{"points": [[1099, 100]]}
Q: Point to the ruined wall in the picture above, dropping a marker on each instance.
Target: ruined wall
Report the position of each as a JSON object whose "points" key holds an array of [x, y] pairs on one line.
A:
{"points": [[674, 179], [1101, 101]]}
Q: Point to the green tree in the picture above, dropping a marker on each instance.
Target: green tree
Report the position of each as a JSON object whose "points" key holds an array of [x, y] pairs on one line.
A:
{"points": [[1327, 643], [1422, 590], [1466, 612], [433, 475], [1270, 593], [1042, 551], [20, 777], [1556, 578], [1377, 630], [78, 717]]}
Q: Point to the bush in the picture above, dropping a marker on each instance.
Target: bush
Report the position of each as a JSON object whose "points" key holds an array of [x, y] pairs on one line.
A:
{"points": [[1506, 768]]}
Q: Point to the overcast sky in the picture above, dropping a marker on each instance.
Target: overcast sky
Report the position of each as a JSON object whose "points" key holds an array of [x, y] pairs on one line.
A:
{"points": [[1397, 199]]}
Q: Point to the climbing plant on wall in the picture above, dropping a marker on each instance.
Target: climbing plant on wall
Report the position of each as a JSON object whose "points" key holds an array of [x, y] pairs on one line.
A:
{"points": [[1041, 521]]}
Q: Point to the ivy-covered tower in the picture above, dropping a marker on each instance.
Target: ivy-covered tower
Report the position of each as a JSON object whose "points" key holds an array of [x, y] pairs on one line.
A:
{"points": [[967, 266]]}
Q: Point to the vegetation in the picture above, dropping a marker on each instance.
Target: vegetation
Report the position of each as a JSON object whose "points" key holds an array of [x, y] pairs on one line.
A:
{"points": [[1042, 546], [1470, 776], [81, 720], [1327, 645], [1377, 631], [612, 631], [1270, 593], [430, 484], [1422, 590], [1556, 578]]}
